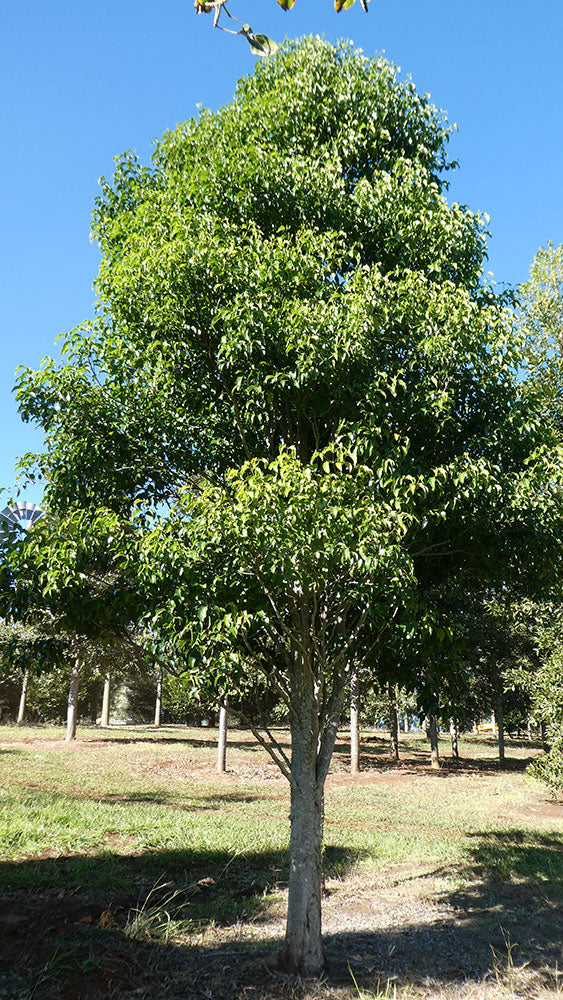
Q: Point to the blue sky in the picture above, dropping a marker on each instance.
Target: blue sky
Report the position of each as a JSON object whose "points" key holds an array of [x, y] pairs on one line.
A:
{"points": [[82, 82]]}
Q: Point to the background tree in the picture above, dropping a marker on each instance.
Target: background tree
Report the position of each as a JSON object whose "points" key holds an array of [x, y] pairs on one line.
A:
{"points": [[541, 322], [64, 603]]}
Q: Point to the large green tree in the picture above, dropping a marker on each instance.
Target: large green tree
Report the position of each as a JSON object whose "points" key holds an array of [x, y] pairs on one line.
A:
{"points": [[540, 318], [300, 387]]}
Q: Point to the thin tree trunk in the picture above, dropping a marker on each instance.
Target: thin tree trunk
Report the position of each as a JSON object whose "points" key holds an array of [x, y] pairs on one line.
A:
{"points": [[493, 724], [406, 725], [393, 725], [73, 699], [104, 722], [158, 703], [433, 737], [500, 727], [23, 697], [354, 724], [454, 733], [222, 742], [543, 735]]}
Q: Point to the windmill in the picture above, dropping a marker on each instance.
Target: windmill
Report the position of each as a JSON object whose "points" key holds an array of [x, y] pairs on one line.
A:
{"points": [[22, 514]]}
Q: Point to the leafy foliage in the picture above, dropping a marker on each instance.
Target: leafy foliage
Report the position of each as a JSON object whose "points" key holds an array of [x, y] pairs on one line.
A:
{"points": [[309, 395], [294, 349]]}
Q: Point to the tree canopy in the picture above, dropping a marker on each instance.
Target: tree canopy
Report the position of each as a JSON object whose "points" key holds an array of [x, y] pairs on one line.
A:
{"points": [[298, 407]]}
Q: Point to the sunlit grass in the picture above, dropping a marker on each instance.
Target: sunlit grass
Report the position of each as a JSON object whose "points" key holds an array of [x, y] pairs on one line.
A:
{"points": [[128, 792]]}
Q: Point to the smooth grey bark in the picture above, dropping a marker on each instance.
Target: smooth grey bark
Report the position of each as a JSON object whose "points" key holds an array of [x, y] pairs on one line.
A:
{"points": [[393, 725], [303, 950], [222, 741], [313, 725], [354, 724], [454, 734], [406, 724], [158, 703], [104, 721], [23, 697], [432, 730], [72, 711]]}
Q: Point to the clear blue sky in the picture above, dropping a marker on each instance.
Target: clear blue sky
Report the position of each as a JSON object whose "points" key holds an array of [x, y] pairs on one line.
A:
{"points": [[82, 82]]}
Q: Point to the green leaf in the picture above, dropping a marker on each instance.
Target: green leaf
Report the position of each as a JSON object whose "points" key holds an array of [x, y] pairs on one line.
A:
{"points": [[261, 45], [286, 4], [343, 5]]}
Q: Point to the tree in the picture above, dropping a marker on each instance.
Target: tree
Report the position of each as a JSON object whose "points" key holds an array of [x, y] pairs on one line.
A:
{"points": [[541, 322], [537, 674], [295, 351], [64, 602]]}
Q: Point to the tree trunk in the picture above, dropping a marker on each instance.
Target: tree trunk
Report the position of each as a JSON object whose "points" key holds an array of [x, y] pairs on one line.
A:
{"points": [[433, 737], [454, 733], [158, 702], [354, 724], [222, 742], [302, 952], [393, 726], [21, 709], [313, 727], [73, 699], [406, 725], [500, 727], [104, 722], [493, 724]]}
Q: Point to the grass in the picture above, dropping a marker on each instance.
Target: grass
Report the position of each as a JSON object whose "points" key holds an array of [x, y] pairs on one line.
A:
{"points": [[125, 854]]}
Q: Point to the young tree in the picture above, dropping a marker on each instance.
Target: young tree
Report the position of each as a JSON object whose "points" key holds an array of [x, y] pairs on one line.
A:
{"points": [[104, 719], [354, 723], [23, 699], [295, 351]]}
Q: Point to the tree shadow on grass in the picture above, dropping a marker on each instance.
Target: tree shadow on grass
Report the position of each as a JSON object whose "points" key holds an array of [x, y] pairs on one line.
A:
{"points": [[203, 803], [68, 921], [206, 742], [415, 759], [511, 901], [503, 862], [217, 880], [511, 895]]}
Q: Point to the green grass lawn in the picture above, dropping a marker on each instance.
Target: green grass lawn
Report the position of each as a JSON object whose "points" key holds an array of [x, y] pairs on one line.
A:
{"points": [[127, 853]]}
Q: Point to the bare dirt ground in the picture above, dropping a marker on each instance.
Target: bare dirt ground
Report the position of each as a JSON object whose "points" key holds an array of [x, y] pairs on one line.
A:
{"points": [[415, 929]]}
